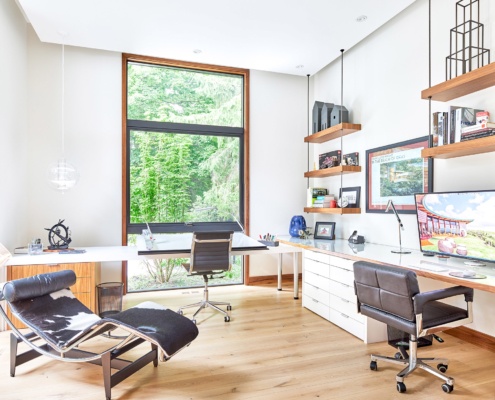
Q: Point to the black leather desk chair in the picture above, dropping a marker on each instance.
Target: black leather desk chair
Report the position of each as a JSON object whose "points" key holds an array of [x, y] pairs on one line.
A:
{"points": [[391, 295], [210, 255]]}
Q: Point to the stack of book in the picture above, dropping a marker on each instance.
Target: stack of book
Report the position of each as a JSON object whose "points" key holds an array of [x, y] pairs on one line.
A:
{"points": [[478, 131], [323, 201], [313, 193]]}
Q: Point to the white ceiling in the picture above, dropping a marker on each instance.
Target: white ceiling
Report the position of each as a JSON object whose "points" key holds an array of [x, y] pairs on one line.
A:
{"points": [[288, 36]]}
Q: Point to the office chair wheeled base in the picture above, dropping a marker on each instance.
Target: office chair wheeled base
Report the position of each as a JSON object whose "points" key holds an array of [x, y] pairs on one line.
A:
{"points": [[205, 303], [412, 362]]}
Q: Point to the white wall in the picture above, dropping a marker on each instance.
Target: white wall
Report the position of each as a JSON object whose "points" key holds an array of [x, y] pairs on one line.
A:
{"points": [[13, 126], [278, 157], [383, 79], [93, 137]]}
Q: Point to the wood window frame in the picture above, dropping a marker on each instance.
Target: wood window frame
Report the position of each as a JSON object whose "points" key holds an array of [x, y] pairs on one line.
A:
{"points": [[126, 57]]}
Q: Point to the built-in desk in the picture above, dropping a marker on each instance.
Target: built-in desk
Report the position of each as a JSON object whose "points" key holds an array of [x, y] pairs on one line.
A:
{"points": [[328, 284]]}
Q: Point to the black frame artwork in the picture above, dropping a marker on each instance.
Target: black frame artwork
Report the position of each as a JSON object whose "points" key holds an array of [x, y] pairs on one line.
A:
{"points": [[355, 194], [323, 235]]}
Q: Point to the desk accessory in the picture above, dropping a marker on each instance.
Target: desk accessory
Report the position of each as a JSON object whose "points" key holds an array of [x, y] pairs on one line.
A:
{"points": [[390, 205], [269, 243], [355, 238], [297, 223], [59, 236]]}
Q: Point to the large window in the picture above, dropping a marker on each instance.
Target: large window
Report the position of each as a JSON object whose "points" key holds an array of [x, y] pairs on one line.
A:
{"points": [[185, 156]]}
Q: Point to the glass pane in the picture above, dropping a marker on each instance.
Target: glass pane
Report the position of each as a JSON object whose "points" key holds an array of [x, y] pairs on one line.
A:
{"points": [[167, 94], [177, 178]]}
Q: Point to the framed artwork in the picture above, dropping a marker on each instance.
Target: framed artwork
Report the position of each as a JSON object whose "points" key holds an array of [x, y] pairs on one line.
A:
{"points": [[350, 197], [325, 230], [396, 172]]}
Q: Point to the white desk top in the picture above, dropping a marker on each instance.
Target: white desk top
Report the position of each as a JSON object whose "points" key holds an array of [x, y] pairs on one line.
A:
{"points": [[430, 267], [172, 245]]}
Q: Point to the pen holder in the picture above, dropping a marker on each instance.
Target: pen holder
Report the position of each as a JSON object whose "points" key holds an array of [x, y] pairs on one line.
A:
{"points": [[269, 243]]}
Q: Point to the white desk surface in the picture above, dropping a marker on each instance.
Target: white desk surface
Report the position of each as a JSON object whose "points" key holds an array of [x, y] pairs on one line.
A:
{"points": [[128, 253], [415, 261]]}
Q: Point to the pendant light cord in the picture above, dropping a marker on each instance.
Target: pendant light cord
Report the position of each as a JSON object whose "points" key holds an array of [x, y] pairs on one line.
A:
{"points": [[63, 101]]}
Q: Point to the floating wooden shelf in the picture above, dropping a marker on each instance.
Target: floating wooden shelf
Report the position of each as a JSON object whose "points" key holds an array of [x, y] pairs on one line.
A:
{"points": [[470, 82], [341, 169], [319, 210], [333, 132], [461, 149]]}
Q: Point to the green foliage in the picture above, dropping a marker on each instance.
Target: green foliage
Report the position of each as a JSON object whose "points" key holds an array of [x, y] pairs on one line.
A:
{"points": [[181, 177]]}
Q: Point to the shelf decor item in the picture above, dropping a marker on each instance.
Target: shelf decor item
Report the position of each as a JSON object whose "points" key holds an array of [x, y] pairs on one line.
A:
{"points": [[397, 172], [326, 116], [297, 223], [317, 108], [352, 195], [467, 41]]}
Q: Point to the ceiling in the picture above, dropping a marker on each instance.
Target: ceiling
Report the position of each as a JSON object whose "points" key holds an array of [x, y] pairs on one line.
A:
{"points": [[296, 37]]}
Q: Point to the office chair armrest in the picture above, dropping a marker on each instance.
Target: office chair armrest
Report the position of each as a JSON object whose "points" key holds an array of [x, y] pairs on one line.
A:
{"points": [[422, 298]]}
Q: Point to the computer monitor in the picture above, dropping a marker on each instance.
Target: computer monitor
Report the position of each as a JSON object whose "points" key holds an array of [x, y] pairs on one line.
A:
{"points": [[458, 224]]}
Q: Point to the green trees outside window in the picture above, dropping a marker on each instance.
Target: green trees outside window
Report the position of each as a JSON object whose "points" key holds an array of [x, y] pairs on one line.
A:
{"points": [[185, 160]]}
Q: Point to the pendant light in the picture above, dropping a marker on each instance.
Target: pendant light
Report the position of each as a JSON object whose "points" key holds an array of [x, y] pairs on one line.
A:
{"points": [[62, 175]]}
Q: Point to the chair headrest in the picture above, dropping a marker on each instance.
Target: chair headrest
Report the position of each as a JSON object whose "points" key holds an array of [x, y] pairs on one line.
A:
{"points": [[38, 285]]}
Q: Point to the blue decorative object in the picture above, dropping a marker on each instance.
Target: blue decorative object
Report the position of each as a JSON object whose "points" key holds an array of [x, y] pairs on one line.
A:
{"points": [[297, 223]]}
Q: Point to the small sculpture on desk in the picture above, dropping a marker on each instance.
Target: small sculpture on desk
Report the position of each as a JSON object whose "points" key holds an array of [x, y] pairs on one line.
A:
{"points": [[59, 236], [305, 233]]}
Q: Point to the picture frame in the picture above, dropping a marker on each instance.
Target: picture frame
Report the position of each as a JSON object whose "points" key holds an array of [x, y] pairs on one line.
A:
{"points": [[325, 230], [353, 195], [396, 172]]}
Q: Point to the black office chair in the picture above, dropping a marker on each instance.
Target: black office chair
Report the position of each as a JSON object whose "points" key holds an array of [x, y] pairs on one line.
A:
{"points": [[391, 295], [210, 256]]}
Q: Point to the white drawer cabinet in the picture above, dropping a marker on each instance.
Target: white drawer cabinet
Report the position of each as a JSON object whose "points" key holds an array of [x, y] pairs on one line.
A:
{"points": [[328, 290]]}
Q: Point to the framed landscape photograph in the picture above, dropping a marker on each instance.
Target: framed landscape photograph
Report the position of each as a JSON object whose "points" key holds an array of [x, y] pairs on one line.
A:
{"points": [[350, 196], [325, 230], [396, 172]]}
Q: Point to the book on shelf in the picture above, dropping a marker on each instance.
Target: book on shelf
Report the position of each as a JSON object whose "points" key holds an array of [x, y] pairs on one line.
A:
{"points": [[323, 201], [477, 134], [465, 117], [313, 193], [452, 123], [440, 128], [478, 127]]}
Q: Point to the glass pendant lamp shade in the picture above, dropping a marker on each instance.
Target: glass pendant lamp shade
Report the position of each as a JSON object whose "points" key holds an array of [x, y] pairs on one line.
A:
{"points": [[62, 175]]}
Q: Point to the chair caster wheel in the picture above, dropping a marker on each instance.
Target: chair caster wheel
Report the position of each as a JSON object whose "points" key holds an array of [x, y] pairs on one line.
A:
{"points": [[194, 321], [227, 319], [398, 356], [229, 308], [401, 388], [180, 312], [373, 366], [442, 368], [447, 388]]}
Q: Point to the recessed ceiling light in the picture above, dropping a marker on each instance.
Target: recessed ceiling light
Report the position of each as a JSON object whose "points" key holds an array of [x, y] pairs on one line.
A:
{"points": [[361, 18], [197, 51], [299, 66]]}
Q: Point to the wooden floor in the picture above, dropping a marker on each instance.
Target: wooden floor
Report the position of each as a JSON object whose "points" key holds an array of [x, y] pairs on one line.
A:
{"points": [[271, 349]]}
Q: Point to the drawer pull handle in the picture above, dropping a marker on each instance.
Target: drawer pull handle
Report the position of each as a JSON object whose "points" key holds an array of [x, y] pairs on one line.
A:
{"points": [[316, 301], [345, 316], [345, 301]]}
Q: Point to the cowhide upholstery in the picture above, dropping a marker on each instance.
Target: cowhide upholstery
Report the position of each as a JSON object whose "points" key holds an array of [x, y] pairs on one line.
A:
{"points": [[46, 305]]}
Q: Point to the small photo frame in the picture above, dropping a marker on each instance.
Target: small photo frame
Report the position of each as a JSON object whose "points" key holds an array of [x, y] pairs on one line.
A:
{"points": [[352, 195], [325, 230]]}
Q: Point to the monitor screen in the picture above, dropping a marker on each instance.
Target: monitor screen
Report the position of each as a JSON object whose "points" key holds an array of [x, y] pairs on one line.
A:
{"points": [[460, 224]]}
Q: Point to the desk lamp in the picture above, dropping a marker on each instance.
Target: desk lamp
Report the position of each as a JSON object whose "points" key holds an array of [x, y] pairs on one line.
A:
{"points": [[390, 205]]}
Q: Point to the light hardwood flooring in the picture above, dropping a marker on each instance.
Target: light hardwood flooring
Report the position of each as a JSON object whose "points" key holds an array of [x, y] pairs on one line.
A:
{"points": [[272, 349]]}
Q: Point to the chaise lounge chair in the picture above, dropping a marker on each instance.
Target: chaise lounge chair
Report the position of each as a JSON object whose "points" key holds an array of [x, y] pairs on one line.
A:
{"points": [[61, 323]]}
